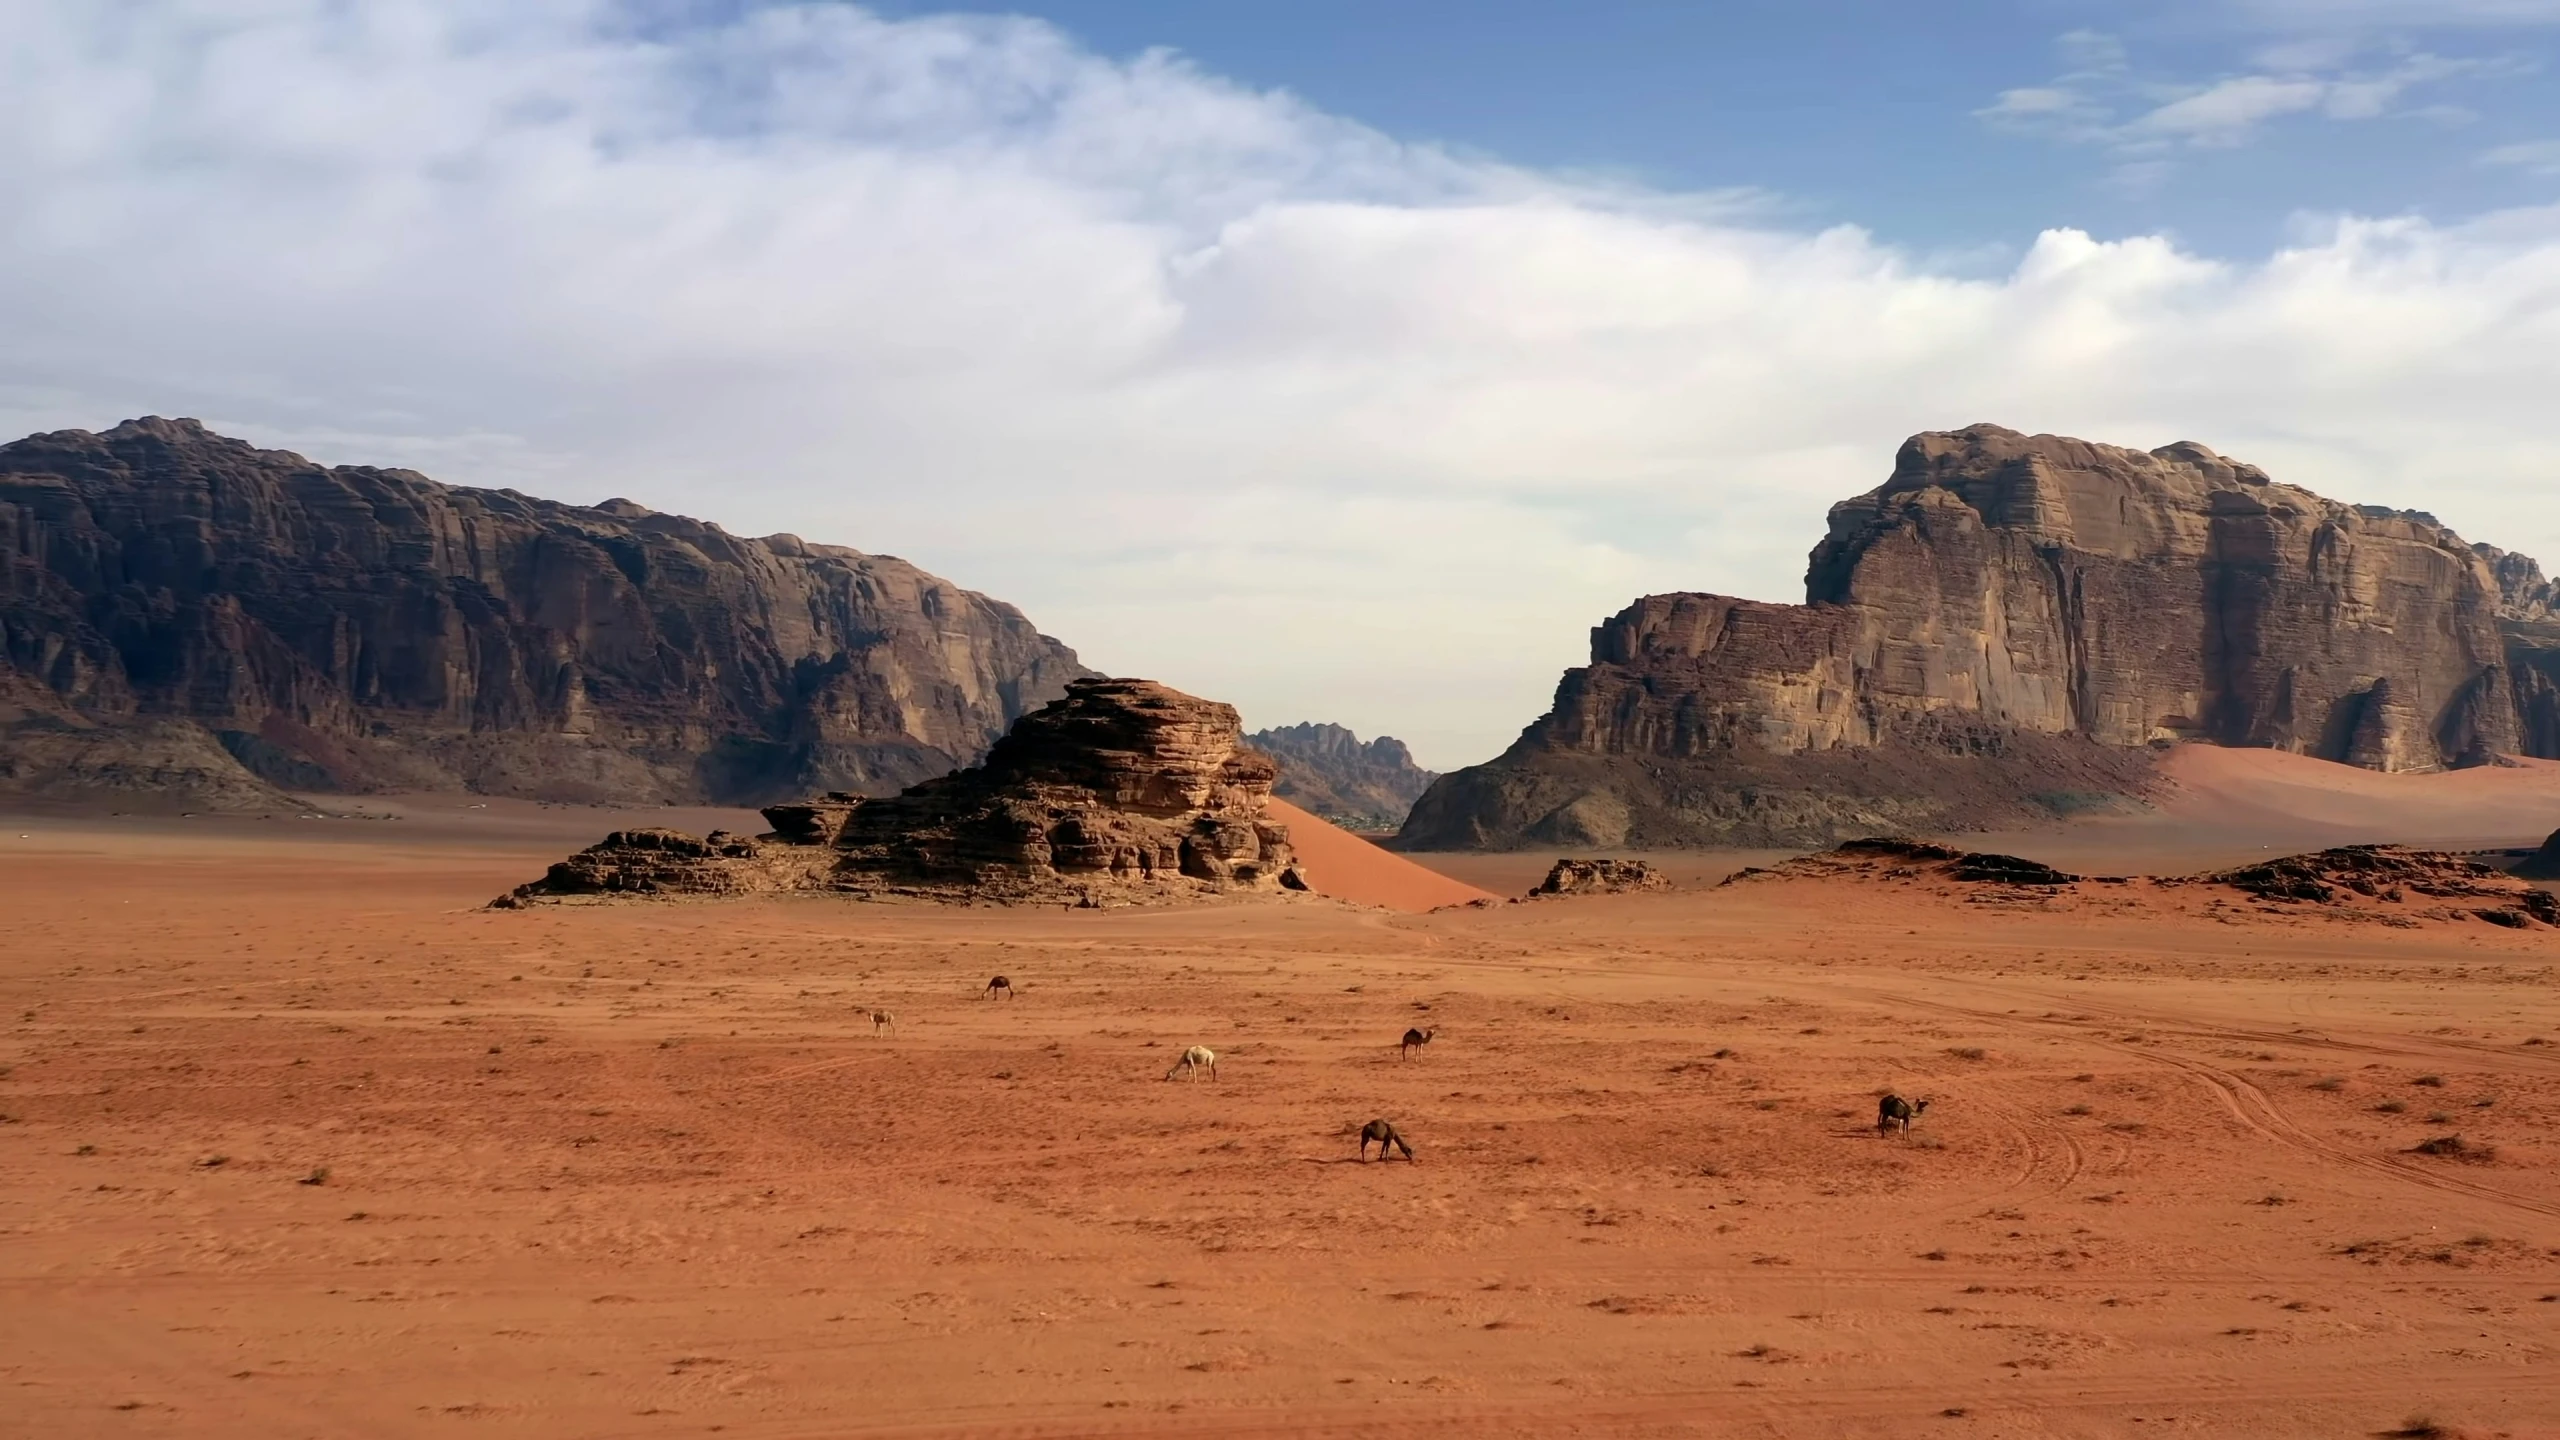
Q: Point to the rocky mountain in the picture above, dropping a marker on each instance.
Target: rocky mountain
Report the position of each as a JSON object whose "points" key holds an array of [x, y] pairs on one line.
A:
{"points": [[2000, 632], [1124, 790], [1325, 770], [185, 616]]}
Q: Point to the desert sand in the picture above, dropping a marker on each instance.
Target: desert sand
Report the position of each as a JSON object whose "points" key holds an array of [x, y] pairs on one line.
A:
{"points": [[301, 1141]]}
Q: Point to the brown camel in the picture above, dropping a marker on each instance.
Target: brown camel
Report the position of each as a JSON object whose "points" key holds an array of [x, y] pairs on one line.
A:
{"points": [[1893, 1111], [1385, 1134], [1000, 986], [1415, 1040]]}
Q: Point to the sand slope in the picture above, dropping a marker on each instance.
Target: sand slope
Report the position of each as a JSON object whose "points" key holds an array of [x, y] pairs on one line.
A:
{"points": [[1346, 867]]}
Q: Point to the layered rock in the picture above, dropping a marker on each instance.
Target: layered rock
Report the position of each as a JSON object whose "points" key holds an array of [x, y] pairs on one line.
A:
{"points": [[1996, 635], [1124, 789], [356, 629], [1326, 771]]}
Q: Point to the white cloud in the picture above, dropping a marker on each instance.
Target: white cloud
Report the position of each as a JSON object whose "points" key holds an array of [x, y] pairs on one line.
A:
{"points": [[2087, 104], [2539, 157], [2224, 113], [1222, 389], [2331, 14]]}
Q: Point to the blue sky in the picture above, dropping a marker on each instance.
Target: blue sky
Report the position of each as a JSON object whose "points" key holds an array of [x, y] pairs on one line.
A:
{"points": [[1889, 115], [1344, 362]]}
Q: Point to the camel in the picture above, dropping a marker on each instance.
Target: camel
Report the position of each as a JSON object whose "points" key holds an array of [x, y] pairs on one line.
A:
{"points": [[1000, 986], [1893, 1110], [1415, 1040], [1385, 1134], [1193, 1061], [883, 1020]]}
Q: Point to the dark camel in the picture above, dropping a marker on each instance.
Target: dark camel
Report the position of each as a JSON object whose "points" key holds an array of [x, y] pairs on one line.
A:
{"points": [[1415, 1040], [1893, 1111], [1000, 986], [1385, 1134]]}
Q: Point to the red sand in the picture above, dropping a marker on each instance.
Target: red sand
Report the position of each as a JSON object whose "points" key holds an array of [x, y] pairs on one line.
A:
{"points": [[1346, 867], [645, 1169]]}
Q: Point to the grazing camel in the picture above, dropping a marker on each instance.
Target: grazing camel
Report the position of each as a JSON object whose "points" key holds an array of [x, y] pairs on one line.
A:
{"points": [[1000, 986], [1385, 1134], [1193, 1061], [1415, 1040], [1893, 1110], [883, 1020]]}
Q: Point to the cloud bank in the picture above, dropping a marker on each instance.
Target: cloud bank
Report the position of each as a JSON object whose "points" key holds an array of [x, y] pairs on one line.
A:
{"points": [[1223, 390]]}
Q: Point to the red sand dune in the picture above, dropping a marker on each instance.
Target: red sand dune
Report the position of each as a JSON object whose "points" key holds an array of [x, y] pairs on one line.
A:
{"points": [[1346, 867]]}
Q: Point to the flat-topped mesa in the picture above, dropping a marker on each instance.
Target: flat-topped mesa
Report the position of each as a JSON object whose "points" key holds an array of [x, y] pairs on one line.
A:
{"points": [[1998, 632], [1125, 789]]}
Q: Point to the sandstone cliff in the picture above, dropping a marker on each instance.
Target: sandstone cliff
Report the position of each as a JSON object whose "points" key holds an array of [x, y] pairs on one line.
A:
{"points": [[1998, 632], [1123, 790], [1326, 771], [183, 613]]}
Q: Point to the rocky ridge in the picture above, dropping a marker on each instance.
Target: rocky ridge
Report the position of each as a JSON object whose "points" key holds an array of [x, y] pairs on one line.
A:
{"points": [[185, 615], [2392, 884], [1326, 771], [1124, 790], [2000, 633]]}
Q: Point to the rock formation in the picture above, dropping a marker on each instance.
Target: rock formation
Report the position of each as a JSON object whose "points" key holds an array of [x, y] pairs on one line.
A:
{"points": [[1997, 634], [184, 612], [1599, 877], [1125, 789], [2392, 884], [1327, 772]]}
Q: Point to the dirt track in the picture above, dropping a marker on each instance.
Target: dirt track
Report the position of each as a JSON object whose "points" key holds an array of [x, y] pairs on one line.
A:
{"points": [[646, 1169]]}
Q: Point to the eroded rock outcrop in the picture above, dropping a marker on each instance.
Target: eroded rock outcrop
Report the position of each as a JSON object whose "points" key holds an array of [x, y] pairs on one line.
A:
{"points": [[1327, 771], [359, 629], [1123, 790], [1997, 634], [2389, 884], [1599, 877]]}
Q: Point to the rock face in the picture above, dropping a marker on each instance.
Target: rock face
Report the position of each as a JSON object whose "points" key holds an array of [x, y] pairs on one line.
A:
{"points": [[358, 629], [1125, 789], [1998, 632], [1327, 772]]}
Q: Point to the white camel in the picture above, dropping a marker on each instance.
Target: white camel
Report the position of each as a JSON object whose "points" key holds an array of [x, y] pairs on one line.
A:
{"points": [[883, 1020], [1193, 1061]]}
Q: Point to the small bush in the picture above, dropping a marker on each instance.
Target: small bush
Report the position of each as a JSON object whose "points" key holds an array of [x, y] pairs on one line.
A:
{"points": [[2331, 1083], [1966, 1052], [2438, 1117], [2432, 1082], [2076, 1110], [319, 1176], [2454, 1147], [2390, 1107]]}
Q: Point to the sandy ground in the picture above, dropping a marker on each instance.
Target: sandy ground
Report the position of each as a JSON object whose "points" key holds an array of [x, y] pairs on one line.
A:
{"points": [[300, 1142]]}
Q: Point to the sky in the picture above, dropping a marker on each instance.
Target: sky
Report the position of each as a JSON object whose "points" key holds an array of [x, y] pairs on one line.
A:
{"points": [[1344, 362]]}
